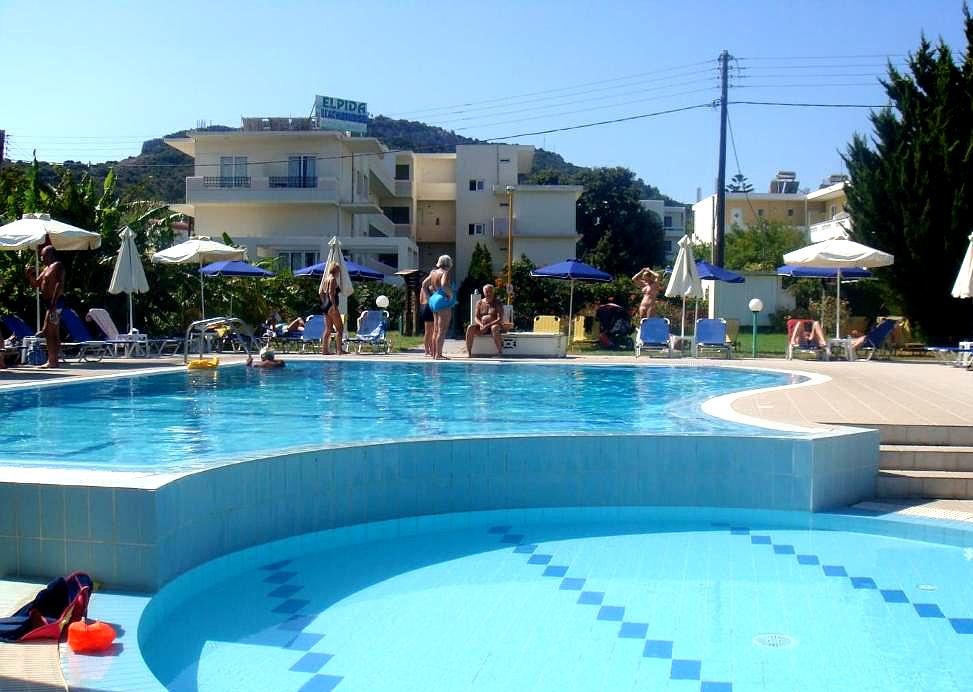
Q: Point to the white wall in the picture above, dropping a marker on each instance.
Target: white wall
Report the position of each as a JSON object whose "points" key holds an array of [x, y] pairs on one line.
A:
{"points": [[731, 300]]}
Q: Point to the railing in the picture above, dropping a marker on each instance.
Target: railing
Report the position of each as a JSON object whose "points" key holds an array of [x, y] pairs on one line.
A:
{"points": [[278, 181], [234, 327], [226, 181]]}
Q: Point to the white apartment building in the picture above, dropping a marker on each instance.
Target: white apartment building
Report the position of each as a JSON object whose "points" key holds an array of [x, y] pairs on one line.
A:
{"points": [[673, 220], [282, 189], [820, 214]]}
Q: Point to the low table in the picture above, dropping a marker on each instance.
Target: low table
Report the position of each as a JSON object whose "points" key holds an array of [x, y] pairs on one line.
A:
{"points": [[844, 344], [536, 344]]}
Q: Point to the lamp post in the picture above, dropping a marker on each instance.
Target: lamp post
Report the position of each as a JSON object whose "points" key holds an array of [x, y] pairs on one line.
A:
{"points": [[510, 245], [755, 305]]}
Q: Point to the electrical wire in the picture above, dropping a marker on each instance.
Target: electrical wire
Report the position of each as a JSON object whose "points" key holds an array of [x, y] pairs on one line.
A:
{"points": [[806, 105]]}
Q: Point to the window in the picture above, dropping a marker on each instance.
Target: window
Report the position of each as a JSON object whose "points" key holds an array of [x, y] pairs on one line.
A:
{"points": [[504, 204], [476, 185], [397, 215], [834, 212], [790, 212], [668, 247], [760, 213], [301, 172], [667, 222], [233, 171], [476, 229], [297, 260], [402, 171], [504, 160]]}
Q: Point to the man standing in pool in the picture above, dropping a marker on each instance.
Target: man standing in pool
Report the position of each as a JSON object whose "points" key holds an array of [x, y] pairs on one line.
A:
{"points": [[50, 282]]}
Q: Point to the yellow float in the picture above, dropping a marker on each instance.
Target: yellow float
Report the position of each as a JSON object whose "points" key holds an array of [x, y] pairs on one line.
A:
{"points": [[203, 363]]}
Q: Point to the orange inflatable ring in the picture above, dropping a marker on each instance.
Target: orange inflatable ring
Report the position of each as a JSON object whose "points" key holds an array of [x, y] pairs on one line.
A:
{"points": [[84, 637]]}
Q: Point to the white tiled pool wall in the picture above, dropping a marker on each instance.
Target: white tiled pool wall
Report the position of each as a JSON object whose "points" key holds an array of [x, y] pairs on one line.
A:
{"points": [[131, 538]]}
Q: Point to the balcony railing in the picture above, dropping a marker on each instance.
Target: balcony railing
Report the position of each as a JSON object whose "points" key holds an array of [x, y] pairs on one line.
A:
{"points": [[226, 181], [279, 181]]}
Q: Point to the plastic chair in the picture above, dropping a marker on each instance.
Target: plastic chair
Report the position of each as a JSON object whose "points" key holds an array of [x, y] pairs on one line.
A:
{"points": [[85, 347], [797, 330], [653, 336], [547, 324], [313, 332], [711, 336], [872, 342]]}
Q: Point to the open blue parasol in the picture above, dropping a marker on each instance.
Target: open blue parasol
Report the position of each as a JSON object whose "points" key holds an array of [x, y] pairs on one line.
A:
{"points": [[710, 272], [233, 268], [571, 270], [823, 272], [356, 271]]}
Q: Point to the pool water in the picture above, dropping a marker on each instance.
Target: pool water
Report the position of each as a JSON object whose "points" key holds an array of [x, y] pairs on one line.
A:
{"points": [[675, 602], [185, 419]]}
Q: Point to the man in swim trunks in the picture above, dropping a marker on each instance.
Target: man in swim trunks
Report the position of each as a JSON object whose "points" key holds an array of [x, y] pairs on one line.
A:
{"points": [[267, 360], [487, 319], [50, 282]]}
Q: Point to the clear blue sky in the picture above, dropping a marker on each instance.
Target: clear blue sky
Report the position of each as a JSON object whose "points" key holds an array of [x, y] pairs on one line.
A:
{"points": [[90, 81]]}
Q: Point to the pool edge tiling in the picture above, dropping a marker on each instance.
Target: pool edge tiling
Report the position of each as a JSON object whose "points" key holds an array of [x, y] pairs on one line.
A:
{"points": [[142, 537]]}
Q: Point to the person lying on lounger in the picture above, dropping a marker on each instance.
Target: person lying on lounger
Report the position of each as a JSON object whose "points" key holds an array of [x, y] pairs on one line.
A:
{"points": [[267, 360], [807, 333]]}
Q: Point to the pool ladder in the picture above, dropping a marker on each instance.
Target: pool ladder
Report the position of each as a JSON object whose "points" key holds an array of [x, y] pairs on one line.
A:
{"points": [[198, 329]]}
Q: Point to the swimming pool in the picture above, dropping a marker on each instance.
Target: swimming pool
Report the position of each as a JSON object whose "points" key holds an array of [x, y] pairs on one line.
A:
{"points": [[577, 599], [182, 420]]}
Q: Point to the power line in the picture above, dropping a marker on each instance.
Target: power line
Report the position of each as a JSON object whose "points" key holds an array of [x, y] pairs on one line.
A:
{"points": [[551, 91], [825, 57], [807, 105]]}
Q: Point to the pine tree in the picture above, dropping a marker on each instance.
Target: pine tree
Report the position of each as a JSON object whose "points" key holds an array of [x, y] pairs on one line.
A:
{"points": [[910, 189]]}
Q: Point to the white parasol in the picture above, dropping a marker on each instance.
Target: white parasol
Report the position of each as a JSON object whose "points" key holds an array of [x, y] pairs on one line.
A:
{"points": [[200, 250], [963, 287], [129, 276], [685, 279], [344, 279], [838, 253]]}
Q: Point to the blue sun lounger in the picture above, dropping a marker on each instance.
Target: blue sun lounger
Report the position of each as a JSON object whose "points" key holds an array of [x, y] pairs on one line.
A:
{"points": [[653, 336], [372, 331], [82, 346], [711, 336]]}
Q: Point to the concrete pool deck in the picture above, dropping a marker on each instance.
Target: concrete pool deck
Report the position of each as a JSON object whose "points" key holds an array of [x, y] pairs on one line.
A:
{"points": [[860, 394]]}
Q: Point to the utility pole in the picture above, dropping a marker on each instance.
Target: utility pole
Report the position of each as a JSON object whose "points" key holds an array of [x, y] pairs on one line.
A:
{"points": [[719, 239], [3, 138], [510, 245]]}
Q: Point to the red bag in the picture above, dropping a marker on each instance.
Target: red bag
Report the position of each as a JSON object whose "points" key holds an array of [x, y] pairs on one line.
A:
{"points": [[60, 603]]}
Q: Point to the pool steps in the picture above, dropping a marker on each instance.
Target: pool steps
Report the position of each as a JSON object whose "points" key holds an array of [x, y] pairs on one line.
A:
{"points": [[925, 461]]}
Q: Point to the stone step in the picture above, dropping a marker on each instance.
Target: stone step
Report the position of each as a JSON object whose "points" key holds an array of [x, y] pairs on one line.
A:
{"points": [[926, 458], [935, 435], [946, 485]]}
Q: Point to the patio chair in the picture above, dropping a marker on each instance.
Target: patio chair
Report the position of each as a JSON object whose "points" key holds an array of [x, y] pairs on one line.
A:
{"points": [[313, 332], [81, 343], [711, 336], [798, 340], [18, 340], [871, 342], [547, 324], [653, 336], [372, 331]]}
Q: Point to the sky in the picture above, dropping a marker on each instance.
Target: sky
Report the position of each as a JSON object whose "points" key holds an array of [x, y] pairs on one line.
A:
{"points": [[91, 81]]}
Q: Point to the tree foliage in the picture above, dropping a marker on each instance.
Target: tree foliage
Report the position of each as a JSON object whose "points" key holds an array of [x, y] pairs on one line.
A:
{"points": [[739, 183], [761, 246], [911, 185]]}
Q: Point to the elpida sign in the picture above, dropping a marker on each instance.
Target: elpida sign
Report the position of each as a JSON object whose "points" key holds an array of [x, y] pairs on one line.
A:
{"points": [[341, 114]]}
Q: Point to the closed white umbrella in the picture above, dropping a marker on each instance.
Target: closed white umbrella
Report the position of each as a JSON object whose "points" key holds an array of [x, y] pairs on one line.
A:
{"points": [[963, 287], [839, 253], [200, 250], [32, 230], [129, 276], [685, 279], [344, 279]]}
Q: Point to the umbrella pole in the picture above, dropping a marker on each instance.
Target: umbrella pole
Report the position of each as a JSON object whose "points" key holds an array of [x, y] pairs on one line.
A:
{"points": [[570, 312], [682, 329], [130, 325], [37, 290], [837, 309], [202, 295]]}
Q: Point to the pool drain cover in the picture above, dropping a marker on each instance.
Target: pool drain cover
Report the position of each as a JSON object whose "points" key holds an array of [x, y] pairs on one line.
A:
{"points": [[775, 641]]}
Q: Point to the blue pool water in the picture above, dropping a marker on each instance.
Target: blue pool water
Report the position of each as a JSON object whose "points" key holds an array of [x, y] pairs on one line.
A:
{"points": [[184, 419], [639, 599]]}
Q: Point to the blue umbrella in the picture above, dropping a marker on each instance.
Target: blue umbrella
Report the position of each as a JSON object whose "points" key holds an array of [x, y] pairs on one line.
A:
{"points": [[356, 271], [233, 268], [572, 270], [711, 272], [823, 272]]}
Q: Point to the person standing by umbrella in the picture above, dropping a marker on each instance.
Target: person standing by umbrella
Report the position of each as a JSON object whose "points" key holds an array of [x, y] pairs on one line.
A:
{"points": [[50, 283], [650, 282], [329, 291]]}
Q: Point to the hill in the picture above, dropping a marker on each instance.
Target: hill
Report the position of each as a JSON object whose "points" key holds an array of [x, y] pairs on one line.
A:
{"points": [[159, 172]]}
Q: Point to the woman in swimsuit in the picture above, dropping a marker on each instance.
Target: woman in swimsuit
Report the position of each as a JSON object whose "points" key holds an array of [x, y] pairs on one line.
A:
{"points": [[428, 320], [439, 283], [329, 290], [650, 282]]}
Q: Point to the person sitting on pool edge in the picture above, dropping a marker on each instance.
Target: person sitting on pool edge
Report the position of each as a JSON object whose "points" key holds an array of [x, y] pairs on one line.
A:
{"points": [[487, 321], [267, 360]]}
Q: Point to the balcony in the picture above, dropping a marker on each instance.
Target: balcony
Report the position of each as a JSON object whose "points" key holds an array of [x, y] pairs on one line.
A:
{"points": [[403, 188], [261, 190], [838, 227], [500, 227], [403, 230]]}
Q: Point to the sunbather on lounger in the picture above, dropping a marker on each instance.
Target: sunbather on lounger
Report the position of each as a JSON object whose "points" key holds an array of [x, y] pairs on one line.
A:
{"points": [[807, 332]]}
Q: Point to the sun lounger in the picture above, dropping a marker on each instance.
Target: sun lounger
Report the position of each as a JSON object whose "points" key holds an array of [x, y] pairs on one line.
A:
{"points": [[81, 344], [711, 336], [548, 324], [873, 342], [653, 336], [799, 341], [313, 332], [372, 331]]}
